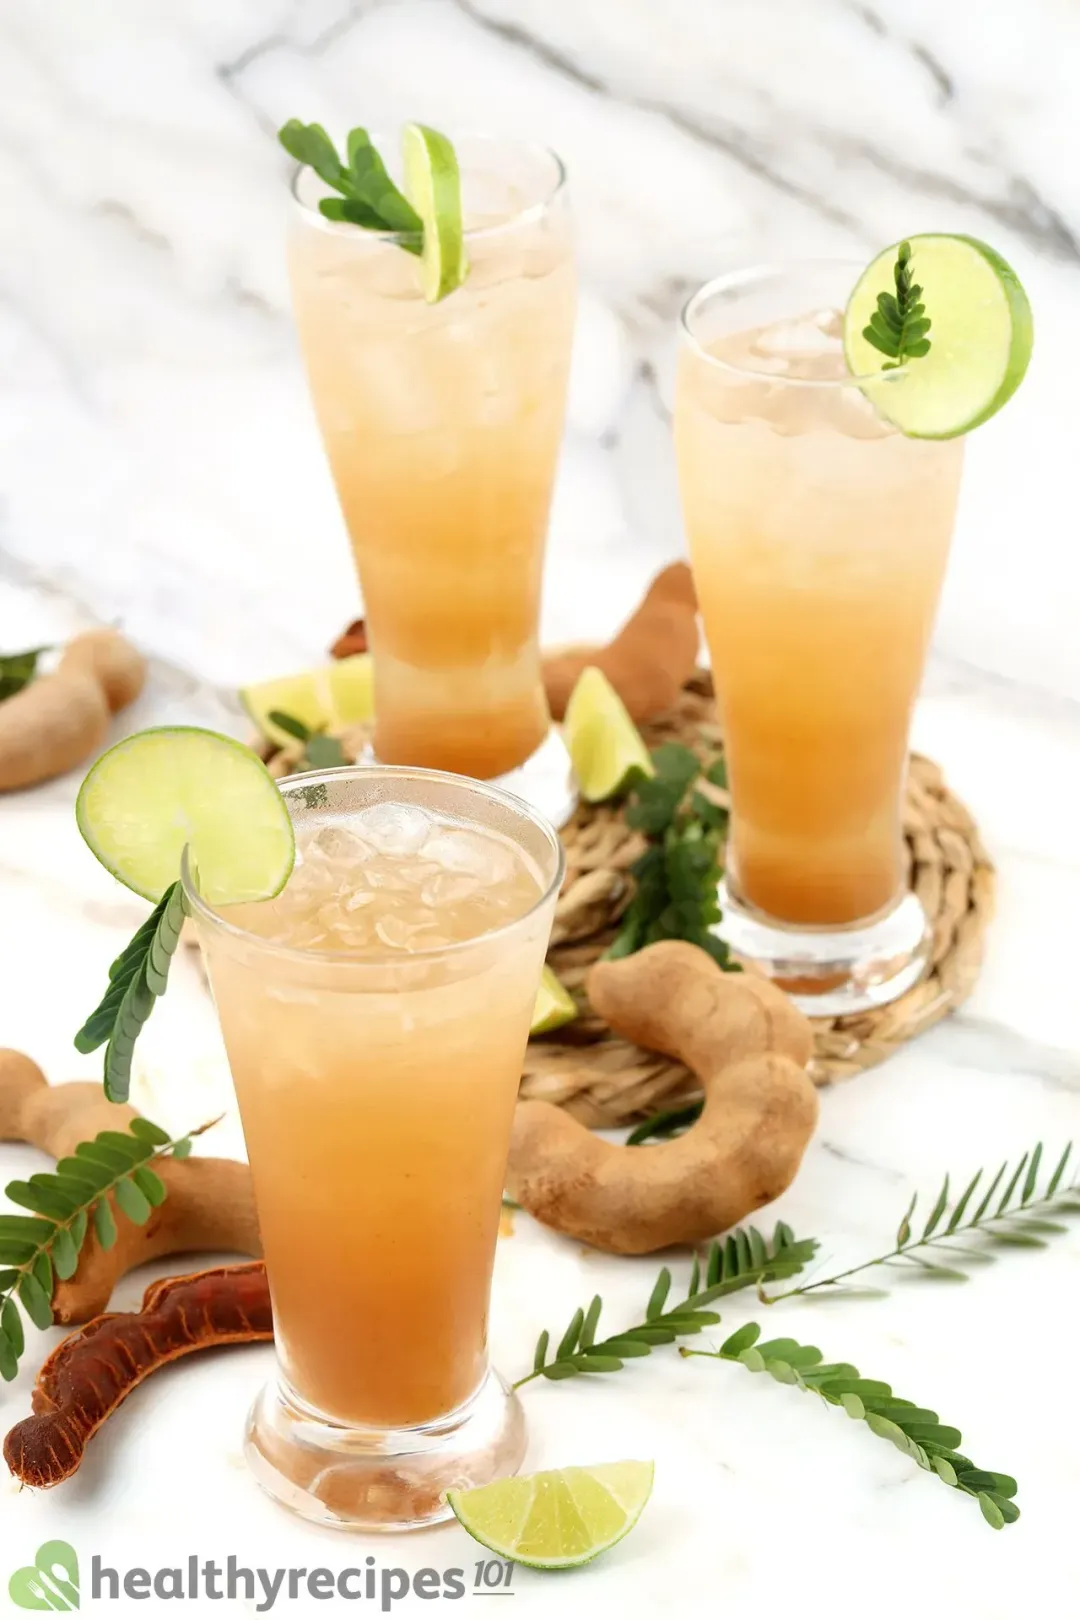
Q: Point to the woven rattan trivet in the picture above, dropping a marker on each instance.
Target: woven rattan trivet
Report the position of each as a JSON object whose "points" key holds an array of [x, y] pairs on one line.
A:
{"points": [[605, 1081]]}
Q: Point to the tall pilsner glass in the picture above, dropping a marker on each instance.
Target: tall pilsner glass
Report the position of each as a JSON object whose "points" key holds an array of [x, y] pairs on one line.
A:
{"points": [[442, 425], [819, 537], [375, 1017]]}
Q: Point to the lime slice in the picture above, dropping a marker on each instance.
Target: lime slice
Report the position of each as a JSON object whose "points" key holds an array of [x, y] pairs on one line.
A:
{"points": [[605, 745], [980, 336], [159, 790], [433, 186], [558, 1519], [336, 695], [555, 1006]]}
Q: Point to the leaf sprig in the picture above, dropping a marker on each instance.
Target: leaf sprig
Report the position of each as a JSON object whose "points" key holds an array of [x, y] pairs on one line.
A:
{"points": [[899, 325], [320, 751], [111, 1172], [136, 979], [677, 876], [368, 196], [914, 1430], [1019, 1218], [743, 1259], [18, 670]]}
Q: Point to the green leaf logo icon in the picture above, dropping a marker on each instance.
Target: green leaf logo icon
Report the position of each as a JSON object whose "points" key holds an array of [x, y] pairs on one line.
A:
{"points": [[51, 1582]]}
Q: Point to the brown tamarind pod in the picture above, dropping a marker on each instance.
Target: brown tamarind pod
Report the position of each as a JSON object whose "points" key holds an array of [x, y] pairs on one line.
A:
{"points": [[94, 1369]]}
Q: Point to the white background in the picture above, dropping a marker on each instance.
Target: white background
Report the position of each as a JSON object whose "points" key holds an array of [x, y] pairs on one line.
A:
{"points": [[159, 467]]}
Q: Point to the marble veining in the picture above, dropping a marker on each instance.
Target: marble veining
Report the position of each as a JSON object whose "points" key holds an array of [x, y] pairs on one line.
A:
{"points": [[159, 468]]}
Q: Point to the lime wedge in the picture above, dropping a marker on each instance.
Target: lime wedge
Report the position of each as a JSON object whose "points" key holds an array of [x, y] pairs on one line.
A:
{"points": [[336, 695], [433, 186], [605, 745], [981, 335], [555, 1006], [558, 1519], [159, 790]]}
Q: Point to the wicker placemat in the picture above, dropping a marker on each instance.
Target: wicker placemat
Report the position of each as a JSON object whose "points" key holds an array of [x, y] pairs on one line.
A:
{"points": [[606, 1081]]}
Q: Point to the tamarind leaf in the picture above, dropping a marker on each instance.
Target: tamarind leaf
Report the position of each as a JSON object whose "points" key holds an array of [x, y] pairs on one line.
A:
{"points": [[181, 1149], [11, 1327], [131, 1201], [651, 1333], [1059, 1170], [150, 1185], [65, 1255], [35, 1301], [597, 1362], [16, 1253], [82, 1176], [659, 1294], [695, 1277], [568, 1342], [43, 1194], [104, 1224], [541, 1351], [9, 1360], [741, 1339], [78, 1228], [129, 1147], [42, 1269], [627, 1347], [592, 1317], [100, 1153], [18, 670], [8, 1275], [26, 1228], [147, 1131], [940, 1206], [1006, 1197], [560, 1369]]}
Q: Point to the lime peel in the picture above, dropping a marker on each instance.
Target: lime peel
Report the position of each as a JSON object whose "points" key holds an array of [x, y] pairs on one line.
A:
{"points": [[171, 787], [559, 1519], [981, 335], [555, 1006], [606, 748], [326, 698], [433, 187]]}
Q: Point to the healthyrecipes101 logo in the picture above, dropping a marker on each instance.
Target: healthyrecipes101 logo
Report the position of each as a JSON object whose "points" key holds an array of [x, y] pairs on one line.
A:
{"points": [[51, 1582]]}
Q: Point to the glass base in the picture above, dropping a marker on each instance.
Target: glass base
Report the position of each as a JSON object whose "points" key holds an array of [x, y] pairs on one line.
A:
{"points": [[381, 1479], [546, 781], [831, 971]]}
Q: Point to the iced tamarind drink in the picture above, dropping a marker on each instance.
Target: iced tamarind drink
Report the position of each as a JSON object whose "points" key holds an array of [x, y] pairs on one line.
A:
{"points": [[442, 423], [819, 535], [375, 1015]]}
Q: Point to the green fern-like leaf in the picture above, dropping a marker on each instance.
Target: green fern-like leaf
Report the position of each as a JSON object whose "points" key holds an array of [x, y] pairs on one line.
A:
{"points": [[136, 979], [112, 1172], [745, 1260], [914, 1430]]}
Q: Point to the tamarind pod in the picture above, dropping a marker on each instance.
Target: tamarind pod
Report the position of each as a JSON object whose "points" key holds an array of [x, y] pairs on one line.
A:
{"points": [[57, 722], [651, 658], [51, 726], [748, 1045], [94, 1369], [118, 667], [209, 1204]]}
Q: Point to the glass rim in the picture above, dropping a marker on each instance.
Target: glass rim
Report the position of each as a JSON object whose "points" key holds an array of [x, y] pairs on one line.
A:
{"points": [[748, 276], [309, 955], [533, 211]]}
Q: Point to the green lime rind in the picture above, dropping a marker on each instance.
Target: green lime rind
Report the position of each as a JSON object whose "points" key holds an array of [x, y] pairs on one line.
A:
{"points": [[170, 787], [433, 186], [606, 749], [981, 337], [555, 1006], [559, 1519]]}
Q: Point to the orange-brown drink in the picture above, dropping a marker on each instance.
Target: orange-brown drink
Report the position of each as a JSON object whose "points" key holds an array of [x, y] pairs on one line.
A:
{"points": [[375, 1016], [442, 423], [819, 536]]}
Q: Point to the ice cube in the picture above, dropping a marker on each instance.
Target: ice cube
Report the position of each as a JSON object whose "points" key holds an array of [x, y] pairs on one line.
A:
{"points": [[396, 932], [449, 888], [394, 829], [788, 339], [336, 843], [464, 852]]}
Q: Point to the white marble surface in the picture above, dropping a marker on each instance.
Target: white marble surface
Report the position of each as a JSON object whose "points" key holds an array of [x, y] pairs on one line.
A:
{"points": [[158, 467]]}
